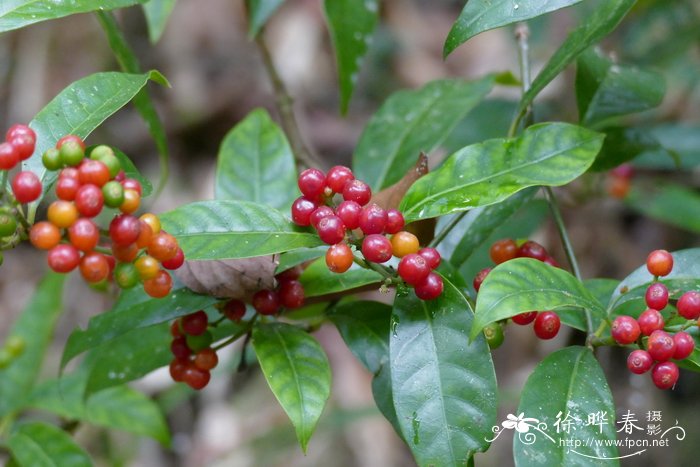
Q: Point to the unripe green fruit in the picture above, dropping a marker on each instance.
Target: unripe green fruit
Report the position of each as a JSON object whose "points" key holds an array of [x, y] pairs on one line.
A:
{"points": [[113, 193], [72, 153], [202, 341], [8, 224], [112, 163], [126, 275], [98, 152], [15, 345], [5, 358], [494, 335], [52, 159]]}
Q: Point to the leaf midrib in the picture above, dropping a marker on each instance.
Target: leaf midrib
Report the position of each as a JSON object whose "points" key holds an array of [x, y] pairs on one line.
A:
{"points": [[290, 360]]}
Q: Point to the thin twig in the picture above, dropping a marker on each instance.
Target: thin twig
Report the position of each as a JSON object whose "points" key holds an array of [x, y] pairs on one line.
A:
{"points": [[447, 229]]}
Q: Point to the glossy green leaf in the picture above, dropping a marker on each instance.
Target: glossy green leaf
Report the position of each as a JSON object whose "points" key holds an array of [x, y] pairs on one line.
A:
{"points": [[351, 24], [481, 15], [319, 280], [444, 386], [412, 121], [489, 119], [79, 109], [296, 257], [525, 284], [121, 407], [298, 372], [596, 26], [365, 328], [259, 11], [602, 290], [624, 144], [36, 326], [684, 276], [38, 444], [478, 225], [550, 154], [680, 140], [605, 89], [19, 13], [134, 309], [255, 163], [673, 204], [130, 171], [157, 13], [569, 382], [226, 229]]}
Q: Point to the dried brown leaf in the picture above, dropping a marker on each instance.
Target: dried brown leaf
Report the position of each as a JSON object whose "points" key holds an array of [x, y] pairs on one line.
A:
{"points": [[231, 278]]}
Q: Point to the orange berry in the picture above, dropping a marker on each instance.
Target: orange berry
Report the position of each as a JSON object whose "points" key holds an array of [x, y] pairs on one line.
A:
{"points": [[404, 243], [62, 213]]}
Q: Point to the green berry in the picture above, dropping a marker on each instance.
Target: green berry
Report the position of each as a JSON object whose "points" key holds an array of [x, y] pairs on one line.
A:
{"points": [[15, 345], [202, 341], [98, 152], [113, 193], [72, 153], [126, 275], [494, 335], [8, 224], [113, 164], [52, 159], [5, 358]]}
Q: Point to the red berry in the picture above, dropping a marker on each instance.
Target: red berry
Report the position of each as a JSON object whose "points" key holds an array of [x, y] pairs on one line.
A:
{"points": [[290, 274], [159, 286], [551, 261], [337, 177], [19, 130], [63, 258], [623, 171], [196, 378], [547, 325], [94, 172], [358, 191], [44, 235], [376, 248], [661, 346], [301, 211], [66, 138], [177, 369], [9, 157], [94, 267], [175, 329], [132, 184], [24, 145], [124, 229], [163, 246], [349, 212], [175, 262], [373, 219], [431, 255], [689, 305], [639, 361], [524, 319], [503, 250], [413, 268], [125, 253], [650, 320], [657, 296], [318, 215], [26, 186], [533, 250], [665, 375], [685, 344], [195, 323], [266, 302], [625, 330], [339, 258], [331, 230], [84, 234], [394, 221], [430, 288], [66, 188], [479, 278], [234, 310], [89, 200], [206, 359], [291, 294], [311, 183], [660, 263]]}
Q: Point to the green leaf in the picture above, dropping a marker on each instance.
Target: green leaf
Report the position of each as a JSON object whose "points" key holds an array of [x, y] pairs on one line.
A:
{"points": [[130, 171], [680, 140], [596, 26], [364, 327], [605, 89], [684, 276], [669, 203], [549, 154], [17, 14], [489, 119], [120, 407], [444, 386], [318, 280], [481, 15], [571, 382], [525, 284], [624, 144], [39, 444], [293, 258], [259, 11], [297, 370], [134, 309], [36, 326], [412, 121], [129, 63], [157, 13], [351, 24], [602, 290], [255, 163], [79, 109], [226, 229], [478, 224]]}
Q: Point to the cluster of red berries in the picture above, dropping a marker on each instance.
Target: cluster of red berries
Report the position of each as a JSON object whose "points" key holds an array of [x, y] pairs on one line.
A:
{"points": [[191, 348], [133, 249], [661, 346], [289, 294], [335, 221], [619, 180], [547, 323]]}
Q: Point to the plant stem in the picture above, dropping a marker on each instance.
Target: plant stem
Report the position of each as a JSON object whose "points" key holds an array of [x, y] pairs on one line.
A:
{"points": [[5, 175], [447, 229], [285, 106]]}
